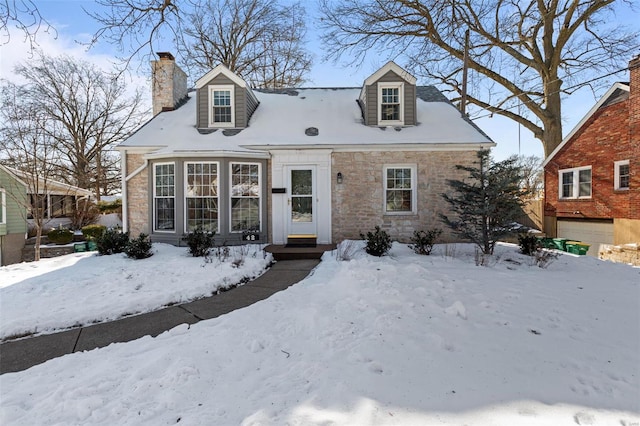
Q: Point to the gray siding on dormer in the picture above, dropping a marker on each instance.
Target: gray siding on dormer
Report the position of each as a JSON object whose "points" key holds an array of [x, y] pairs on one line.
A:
{"points": [[252, 104], [371, 96], [239, 102]]}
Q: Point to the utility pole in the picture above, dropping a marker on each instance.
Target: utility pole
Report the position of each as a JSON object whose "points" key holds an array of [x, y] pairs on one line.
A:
{"points": [[465, 68]]}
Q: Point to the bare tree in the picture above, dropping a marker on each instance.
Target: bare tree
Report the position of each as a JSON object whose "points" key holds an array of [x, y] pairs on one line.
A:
{"points": [[531, 170], [528, 53], [261, 40], [258, 39], [89, 112], [136, 24], [23, 15], [27, 146]]}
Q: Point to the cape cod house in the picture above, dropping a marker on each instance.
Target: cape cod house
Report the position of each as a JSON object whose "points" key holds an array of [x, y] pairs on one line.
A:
{"points": [[592, 183], [269, 166]]}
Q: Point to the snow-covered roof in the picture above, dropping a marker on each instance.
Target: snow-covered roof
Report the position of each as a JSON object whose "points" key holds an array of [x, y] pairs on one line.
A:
{"points": [[390, 66], [52, 187], [281, 119]]}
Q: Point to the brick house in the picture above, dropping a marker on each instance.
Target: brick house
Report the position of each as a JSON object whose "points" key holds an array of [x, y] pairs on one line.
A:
{"points": [[267, 165], [592, 179]]}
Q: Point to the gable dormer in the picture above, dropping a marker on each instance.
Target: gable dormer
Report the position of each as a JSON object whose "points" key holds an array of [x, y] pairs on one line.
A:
{"points": [[388, 97], [225, 101]]}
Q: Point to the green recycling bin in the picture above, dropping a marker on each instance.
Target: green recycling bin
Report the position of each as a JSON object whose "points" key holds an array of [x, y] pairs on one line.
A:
{"points": [[560, 244]]}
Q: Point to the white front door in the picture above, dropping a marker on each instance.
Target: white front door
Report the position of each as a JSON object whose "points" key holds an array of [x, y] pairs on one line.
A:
{"points": [[302, 204]]}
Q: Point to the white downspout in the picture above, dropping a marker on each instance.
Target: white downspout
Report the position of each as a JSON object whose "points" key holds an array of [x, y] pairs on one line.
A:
{"points": [[123, 171]]}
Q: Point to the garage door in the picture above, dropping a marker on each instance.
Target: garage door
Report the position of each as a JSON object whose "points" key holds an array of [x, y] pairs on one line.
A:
{"points": [[594, 233]]}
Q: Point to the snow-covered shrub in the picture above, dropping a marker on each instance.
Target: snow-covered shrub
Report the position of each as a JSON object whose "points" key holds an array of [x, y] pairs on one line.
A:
{"points": [[139, 248], [423, 241], [112, 241], [543, 258], [378, 242], [346, 250], [199, 242]]}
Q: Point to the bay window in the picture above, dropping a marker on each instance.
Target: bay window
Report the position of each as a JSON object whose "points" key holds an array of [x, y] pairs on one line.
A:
{"points": [[164, 197], [245, 197], [201, 196]]}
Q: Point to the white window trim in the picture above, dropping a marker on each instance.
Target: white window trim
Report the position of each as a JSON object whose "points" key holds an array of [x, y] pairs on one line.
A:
{"points": [[231, 89], [576, 183], [616, 173], [153, 207], [414, 189], [391, 85], [186, 218], [3, 206], [231, 196]]}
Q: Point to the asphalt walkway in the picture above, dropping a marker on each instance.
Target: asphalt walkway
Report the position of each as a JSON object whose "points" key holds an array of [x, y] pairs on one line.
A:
{"points": [[21, 354]]}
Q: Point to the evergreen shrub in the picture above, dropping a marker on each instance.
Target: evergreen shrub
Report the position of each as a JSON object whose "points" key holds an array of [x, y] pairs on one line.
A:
{"points": [[199, 242], [112, 241], [423, 241], [60, 236], [139, 248], [93, 232], [529, 244], [378, 242]]}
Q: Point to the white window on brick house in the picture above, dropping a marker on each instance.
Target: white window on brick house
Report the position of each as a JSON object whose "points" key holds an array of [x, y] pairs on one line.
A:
{"points": [[390, 104], [400, 189], [3, 206], [575, 183], [621, 175], [164, 197], [245, 197], [201, 196], [221, 107]]}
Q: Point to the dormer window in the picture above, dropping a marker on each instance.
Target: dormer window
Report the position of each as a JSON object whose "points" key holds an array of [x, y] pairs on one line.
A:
{"points": [[390, 104], [221, 106]]}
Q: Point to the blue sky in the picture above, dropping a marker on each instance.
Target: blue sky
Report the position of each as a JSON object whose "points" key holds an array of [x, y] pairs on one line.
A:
{"points": [[73, 25]]}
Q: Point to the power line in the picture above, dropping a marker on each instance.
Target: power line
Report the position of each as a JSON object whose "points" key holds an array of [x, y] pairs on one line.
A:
{"points": [[558, 91]]}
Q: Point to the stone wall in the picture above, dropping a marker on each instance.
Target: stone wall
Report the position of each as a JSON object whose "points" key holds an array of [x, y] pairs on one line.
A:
{"points": [[628, 253], [359, 201], [137, 197]]}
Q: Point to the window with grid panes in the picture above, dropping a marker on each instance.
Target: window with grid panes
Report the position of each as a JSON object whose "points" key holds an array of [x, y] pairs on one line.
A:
{"points": [[201, 196], [245, 197], [164, 197]]}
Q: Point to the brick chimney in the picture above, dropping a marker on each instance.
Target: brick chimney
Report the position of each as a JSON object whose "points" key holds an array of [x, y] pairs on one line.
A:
{"points": [[169, 83]]}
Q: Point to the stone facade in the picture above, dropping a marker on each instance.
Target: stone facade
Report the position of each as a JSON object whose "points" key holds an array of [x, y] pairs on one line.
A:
{"points": [[137, 197], [358, 202]]}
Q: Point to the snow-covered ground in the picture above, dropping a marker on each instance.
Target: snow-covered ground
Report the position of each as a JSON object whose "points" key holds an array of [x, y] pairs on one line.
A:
{"points": [[84, 288], [398, 340]]}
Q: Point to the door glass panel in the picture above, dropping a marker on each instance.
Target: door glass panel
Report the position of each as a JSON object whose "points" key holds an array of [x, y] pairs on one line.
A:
{"points": [[301, 196]]}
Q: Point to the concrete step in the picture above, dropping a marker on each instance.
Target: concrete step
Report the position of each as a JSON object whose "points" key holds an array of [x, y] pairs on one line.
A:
{"points": [[302, 240], [285, 252]]}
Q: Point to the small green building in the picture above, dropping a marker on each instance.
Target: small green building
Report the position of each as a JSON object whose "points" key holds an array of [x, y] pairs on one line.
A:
{"points": [[13, 217]]}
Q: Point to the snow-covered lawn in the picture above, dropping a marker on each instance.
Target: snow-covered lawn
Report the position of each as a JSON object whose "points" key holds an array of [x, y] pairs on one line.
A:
{"points": [[398, 340], [84, 288]]}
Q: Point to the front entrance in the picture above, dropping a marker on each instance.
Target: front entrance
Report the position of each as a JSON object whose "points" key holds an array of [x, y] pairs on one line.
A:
{"points": [[301, 194], [302, 201]]}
